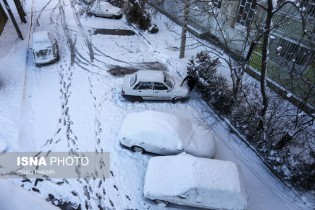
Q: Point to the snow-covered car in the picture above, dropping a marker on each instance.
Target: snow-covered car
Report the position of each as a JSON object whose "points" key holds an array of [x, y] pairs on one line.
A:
{"points": [[153, 85], [45, 47], [165, 134], [104, 9], [191, 181]]}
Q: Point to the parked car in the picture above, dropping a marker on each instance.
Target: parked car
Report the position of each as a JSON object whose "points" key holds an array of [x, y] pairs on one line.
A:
{"points": [[153, 85], [104, 9], [197, 182], [165, 134], [45, 47]]}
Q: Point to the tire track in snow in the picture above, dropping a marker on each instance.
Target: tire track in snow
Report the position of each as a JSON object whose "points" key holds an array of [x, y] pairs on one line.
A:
{"points": [[87, 41], [41, 11], [70, 42]]}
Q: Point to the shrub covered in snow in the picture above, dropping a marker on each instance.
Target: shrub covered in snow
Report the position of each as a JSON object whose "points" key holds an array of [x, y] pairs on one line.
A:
{"points": [[212, 86], [135, 14], [287, 141]]}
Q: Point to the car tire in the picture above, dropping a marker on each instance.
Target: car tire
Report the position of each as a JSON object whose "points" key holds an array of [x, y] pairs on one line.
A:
{"points": [[89, 14], [177, 99], [137, 149], [159, 202], [137, 99]]}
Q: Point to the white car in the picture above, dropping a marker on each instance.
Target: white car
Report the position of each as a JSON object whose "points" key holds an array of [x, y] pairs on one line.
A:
{"points": [[153, 85], [165, 134], [197, 182], [45, 47], [104, 9]]}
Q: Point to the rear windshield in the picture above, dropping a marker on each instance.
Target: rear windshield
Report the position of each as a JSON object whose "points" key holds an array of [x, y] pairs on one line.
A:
{"points": [[133, 80]]}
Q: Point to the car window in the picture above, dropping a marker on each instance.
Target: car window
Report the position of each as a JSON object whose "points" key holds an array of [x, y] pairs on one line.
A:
{"points": [[169, 83], [145, 86], [160, 86]]}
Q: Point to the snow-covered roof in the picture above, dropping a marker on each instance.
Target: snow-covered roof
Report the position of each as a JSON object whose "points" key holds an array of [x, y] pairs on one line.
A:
{"points": [[168, 176], [150, 75], [41, 40], [40, 36], [158, 126]]}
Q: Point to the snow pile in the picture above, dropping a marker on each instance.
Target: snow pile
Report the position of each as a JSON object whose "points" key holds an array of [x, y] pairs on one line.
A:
{"points": [[217, 182], [17, 198]]}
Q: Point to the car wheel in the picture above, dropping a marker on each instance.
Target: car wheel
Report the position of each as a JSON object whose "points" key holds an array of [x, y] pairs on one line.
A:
{"points": [[137, 99], [137, 149], [89, 14], [160, 202], [177, 99]]}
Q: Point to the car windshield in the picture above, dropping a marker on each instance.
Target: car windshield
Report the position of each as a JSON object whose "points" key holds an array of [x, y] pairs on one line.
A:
{"points": [[133, 80], [43, 53], [168, 81]]}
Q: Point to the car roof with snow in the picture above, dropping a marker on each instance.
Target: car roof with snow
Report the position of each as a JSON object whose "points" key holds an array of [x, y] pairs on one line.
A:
{"points": [[41, 40], [40, 36], [150, 76], [180, 173], [158, 126]]}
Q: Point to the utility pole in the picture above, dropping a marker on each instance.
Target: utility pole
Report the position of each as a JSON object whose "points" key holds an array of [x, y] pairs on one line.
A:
{"points": [[13, 19], [184, 30], [20, 10]]}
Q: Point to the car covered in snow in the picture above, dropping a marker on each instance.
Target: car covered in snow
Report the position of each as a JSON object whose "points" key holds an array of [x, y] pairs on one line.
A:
{"points": [[104, 9], [197, 182], [45, 47], [153, 85], [165, 134]]}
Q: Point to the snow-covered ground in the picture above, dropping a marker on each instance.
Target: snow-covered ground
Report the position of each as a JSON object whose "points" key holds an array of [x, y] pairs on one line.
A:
{"points": [[75, 104]]}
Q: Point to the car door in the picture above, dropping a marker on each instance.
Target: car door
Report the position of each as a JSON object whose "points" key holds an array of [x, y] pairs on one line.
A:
{"points": [[145, 90], [161, 91]]}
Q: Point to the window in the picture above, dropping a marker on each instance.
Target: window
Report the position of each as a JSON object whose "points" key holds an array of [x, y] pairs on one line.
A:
{"points": [[160, 86], [246, 12], [145, 86]]}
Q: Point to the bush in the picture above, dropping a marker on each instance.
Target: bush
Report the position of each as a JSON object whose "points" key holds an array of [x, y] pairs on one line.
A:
{"points": [[212, 86], [136, 15]]}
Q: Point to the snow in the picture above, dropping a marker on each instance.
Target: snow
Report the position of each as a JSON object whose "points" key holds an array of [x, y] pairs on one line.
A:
{"points": [[159, 126], [171, 176], [76, 105], [17, 198], [41, 40]]}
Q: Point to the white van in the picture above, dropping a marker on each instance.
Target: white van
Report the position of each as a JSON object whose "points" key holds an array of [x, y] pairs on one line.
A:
{"points": [[191, 181]]}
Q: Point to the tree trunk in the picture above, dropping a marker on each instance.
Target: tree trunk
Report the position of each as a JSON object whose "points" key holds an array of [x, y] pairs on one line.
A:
{"points": [[20, 10], [13, 19], [184, 30], [264, 65]]}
